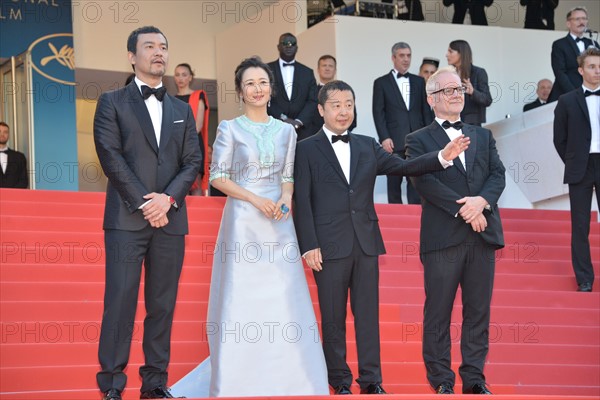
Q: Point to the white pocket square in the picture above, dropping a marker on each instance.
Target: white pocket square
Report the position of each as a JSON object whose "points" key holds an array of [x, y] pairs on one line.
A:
{"points": [[178, 122]]}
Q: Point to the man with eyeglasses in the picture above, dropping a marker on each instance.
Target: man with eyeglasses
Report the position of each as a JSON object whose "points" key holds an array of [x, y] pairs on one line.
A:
{"points": [[294, 99], [565, 52], [460, 232]]}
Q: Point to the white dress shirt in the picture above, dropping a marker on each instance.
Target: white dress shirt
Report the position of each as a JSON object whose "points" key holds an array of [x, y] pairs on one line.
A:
{"points": [[404, 87], [453, 134], [287, 73], [3, 159], [593, 105], [342, 152], [154, 109]]}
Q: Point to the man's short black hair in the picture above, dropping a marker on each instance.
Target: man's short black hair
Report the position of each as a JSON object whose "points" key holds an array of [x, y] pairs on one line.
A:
{"points": [[333, 86], [133, 36]]}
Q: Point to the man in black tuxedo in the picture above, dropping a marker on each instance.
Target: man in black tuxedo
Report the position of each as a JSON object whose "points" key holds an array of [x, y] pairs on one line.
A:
{"points": [[338, 232], [476, 9], [460, 232], [565, 52], [577, 141], [294, 99], [544, 87], [13, 164], [326, 69], [399, 108], [539, 14], [148, 147]]}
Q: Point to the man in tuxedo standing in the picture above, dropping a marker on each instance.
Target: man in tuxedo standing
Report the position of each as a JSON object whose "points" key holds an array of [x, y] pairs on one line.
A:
{"points": [[338, 232], [544, 87], [399, 108], [460, 232], [295, 90], [577, 141], [148, 147], [565, 52], [13, 164], [326, 69]]}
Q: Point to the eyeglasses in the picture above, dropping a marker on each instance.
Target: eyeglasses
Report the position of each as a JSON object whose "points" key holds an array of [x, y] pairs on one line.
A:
{"points": [[288, 43], [451, 90]]}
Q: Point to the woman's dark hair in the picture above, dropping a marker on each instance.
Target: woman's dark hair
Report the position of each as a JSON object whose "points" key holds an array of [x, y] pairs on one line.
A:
{"points": [[252, 62], [466, 57], [188, 66]]}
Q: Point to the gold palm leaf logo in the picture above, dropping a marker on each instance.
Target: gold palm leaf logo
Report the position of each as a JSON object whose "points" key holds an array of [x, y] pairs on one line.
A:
{"points": [[66, 56]]}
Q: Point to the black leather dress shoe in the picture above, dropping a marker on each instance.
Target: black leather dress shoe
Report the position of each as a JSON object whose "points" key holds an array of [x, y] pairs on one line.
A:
{"points": [[478, 388], [112, 394], [343, 389], [373, 388], [444, 388], [585, 287], [160, 392]]}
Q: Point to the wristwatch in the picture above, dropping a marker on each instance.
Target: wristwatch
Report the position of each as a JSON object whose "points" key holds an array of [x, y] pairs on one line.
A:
{"points": [[171, 200]]}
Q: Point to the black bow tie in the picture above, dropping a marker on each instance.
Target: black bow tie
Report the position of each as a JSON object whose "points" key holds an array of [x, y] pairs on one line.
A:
{"points": [[589, 93], [457, 125], [288, 64], [400, 75], [159, 93], [343, 138], [3, 150], [579, 39]]}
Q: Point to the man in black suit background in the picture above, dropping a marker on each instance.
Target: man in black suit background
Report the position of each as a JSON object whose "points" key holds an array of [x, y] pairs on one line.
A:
{"points": [[544, 87], [399, 108], [460, 232], [295, 90], [565, 52], [476, 9], [148, 147], [326, 69], [577, 141], [13, 164], [338, 232]]}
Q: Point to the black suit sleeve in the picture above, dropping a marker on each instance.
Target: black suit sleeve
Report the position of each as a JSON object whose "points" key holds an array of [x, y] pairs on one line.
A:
{"points": [[496, 180], [23, 179], [305, 228], [392, 164], [481, 90], [310, 106], [559, 65], [107, 137], [560, 128], [379, 111]]}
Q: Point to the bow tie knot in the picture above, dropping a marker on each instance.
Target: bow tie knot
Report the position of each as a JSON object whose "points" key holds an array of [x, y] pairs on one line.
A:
{"points": [[457, 125], [579, 39], [401, 75], [288, 64], [159, 93], [343, 138], [590, 93]]}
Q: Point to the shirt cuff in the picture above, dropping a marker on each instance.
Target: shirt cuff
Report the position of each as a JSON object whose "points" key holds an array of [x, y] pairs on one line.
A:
{"points": [[444, 163]]}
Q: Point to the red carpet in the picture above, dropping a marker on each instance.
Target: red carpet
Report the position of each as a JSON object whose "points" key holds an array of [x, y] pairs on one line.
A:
{"points": [[545, 337]]}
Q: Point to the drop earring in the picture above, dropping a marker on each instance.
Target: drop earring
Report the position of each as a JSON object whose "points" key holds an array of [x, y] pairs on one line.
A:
{"points": [[241, 100]]}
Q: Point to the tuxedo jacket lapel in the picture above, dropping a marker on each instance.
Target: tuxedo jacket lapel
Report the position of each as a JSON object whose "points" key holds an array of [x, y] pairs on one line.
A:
{"points": [[143, 116], [469, 132], [396, 90], [439, 135], [279, 78], [167, 122], [355, 151], [573, 45], [583, 105], [325, 147]]}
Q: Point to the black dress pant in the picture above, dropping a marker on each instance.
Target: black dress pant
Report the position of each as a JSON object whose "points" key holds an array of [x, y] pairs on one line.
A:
{"points": [[162, 255], [580, 195], [471, 265], [358, 273], [394, 188]]}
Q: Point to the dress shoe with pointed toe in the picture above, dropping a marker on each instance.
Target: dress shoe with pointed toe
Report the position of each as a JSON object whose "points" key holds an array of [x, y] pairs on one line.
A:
{"points": [[160, 392], [112, 394], [584, 287], [478, 388], [444, 388], [374, 388], [343, 389]]}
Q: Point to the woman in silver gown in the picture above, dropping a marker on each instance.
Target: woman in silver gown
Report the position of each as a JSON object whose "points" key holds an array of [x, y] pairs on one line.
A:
{"points": [[261, 328]]}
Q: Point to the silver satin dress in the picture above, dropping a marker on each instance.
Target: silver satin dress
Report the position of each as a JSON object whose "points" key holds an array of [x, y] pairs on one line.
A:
{"points": [[261, 327]]}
